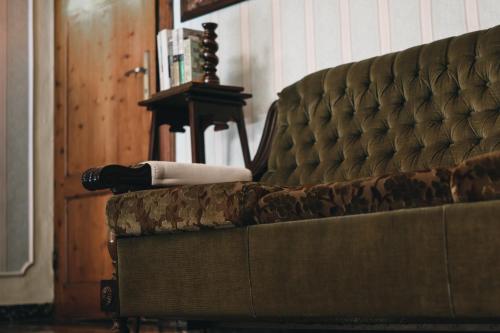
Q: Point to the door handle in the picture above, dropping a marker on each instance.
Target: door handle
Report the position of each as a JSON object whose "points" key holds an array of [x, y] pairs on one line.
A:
{"points": [[135, 71], [144, 69]]}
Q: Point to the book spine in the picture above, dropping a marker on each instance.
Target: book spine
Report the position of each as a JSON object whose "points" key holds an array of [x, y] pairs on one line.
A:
{"points": [[160, 62], [182, 76], [192, 59], [175, 58], [186, 32], [170, 57], [175, 70], [180, 43], [188, 73], [165, 60], [197, 61]]}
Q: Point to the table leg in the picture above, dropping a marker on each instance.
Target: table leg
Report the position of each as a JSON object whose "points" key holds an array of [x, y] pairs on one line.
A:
{"points": [[154, 148], [240, 122], [197, 135]]}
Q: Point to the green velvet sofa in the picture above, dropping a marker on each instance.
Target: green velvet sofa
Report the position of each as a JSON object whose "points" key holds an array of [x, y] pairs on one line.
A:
{"points": [[375, 206]]}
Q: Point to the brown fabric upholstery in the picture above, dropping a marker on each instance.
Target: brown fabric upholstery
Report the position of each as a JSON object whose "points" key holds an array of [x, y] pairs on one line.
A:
{"points": [[388, 265], [422, 263], [477, 179], [366, 195], [473, 234], [191, 208], [184, 208], [430, 106], [195, 274]]}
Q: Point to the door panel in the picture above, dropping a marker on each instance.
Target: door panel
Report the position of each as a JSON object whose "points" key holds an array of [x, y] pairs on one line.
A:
{"points": [[97, 122], [87, 239]]}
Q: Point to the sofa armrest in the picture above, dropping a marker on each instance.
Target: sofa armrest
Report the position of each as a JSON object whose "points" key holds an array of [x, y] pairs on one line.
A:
{"points": [[258, 166]]}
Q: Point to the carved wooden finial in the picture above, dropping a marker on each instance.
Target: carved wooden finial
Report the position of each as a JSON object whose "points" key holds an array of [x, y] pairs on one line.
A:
{"points": [[210, 46]]}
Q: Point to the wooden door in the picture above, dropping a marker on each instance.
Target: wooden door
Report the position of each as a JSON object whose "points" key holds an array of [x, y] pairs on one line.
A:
{"points": [[97, 122]]}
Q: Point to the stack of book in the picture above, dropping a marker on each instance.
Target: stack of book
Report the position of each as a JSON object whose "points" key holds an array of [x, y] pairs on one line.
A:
{"points": [[179, 56]]}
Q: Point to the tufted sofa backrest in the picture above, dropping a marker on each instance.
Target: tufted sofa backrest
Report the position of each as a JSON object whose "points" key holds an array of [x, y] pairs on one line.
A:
{"points": [[428, 106]]}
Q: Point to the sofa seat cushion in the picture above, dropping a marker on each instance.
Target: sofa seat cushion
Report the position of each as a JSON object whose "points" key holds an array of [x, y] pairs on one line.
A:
{"points": [[185, 208], [373, 194], [477, 178]]}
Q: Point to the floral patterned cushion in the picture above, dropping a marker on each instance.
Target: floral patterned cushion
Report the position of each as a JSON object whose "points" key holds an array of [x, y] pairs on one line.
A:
{"points": [[477, 178], [183, 208], [373, 194], [194, 207]]}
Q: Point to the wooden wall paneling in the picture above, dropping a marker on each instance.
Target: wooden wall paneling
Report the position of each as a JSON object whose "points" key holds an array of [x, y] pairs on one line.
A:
{"points": [[165, 14], [90, 112], [85, 236], [128, 26], [3, 133], [60, 59], [97, 121]]}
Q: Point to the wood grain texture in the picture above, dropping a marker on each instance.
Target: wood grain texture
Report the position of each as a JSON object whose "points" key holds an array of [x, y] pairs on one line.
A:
{"points": [[97, 121], [165, 20], [3, 133], [165, 15], [87, 238]]}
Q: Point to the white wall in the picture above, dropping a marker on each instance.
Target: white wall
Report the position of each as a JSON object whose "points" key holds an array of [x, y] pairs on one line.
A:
{"points": [[37, 285], [266, 45]]}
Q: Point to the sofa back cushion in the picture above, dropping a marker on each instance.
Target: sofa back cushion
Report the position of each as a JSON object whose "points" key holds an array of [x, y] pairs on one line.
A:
{"points": [[430, 106]]}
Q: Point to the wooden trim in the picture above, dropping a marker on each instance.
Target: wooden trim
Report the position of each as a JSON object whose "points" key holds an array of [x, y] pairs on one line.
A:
{"points": [[165, 20], [204, 9], [60, 44], [3, 133], [258, 166], [164, 15]]}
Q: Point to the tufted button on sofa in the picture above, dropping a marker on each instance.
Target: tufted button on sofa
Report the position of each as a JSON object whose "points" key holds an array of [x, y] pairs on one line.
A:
{"points": [[378, 204]]}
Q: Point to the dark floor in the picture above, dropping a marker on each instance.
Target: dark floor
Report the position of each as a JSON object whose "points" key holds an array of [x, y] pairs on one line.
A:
{"points": [[76, 328]]}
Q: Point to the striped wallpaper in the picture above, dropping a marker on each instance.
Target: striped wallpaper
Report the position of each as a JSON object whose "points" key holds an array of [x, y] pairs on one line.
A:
{"points": [[265, 45]]}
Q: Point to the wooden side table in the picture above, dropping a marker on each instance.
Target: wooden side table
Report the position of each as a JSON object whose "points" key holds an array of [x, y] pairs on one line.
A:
{"points": [[198, 105]]}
